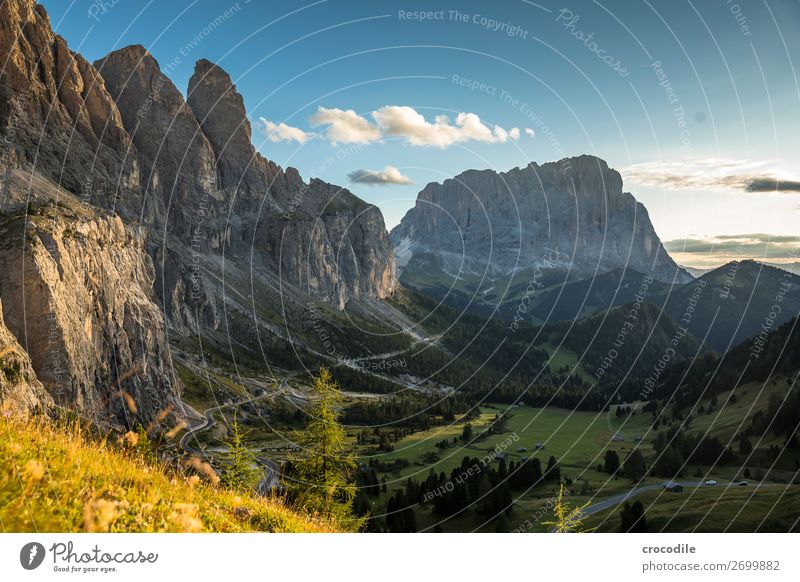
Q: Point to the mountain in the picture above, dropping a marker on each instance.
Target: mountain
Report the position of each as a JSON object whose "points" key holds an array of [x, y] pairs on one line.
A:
{"points": [[733, 302], [484, 231], [696, 271], [791, 267], [625, 343], [139, 223]]}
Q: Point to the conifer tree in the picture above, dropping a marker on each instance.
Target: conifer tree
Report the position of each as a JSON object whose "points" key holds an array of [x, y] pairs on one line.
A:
{"points": [[324, 472], [241, 466]]}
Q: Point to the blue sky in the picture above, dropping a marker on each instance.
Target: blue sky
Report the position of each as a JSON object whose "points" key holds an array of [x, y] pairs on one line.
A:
{"points": [[730, 71]]}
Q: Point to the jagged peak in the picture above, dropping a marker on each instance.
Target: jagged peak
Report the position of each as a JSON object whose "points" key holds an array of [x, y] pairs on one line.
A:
{"points": [[206, 68]]}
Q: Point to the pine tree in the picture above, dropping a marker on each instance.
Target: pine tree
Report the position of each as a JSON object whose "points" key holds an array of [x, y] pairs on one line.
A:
{"points": [[611, 464], [634, 466], [745, 446], [323, 480], [632, 518], [241, 466]]}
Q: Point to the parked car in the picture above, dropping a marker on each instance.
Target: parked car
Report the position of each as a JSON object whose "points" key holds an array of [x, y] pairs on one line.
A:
{"points": [[711, 482]]}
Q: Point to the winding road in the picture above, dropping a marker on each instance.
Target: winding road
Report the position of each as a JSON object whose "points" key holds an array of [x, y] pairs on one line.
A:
{"points": [[271, 469], [622, 497]]}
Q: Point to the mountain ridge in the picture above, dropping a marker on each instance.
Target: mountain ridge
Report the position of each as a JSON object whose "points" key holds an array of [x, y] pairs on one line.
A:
{"points": [[570, 217]]}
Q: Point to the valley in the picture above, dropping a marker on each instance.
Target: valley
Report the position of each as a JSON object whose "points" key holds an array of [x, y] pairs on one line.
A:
{"points": [[175, 304]]}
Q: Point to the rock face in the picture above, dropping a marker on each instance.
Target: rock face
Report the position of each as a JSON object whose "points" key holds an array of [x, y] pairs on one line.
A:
{"points": [[20, 391], [501, 223], [223, 197], [57, 113], [150, 199], [81, 304]]}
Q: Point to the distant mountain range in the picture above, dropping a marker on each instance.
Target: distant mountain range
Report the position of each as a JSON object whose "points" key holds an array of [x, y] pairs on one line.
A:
{"points": [[143, 226], [791, 267]]}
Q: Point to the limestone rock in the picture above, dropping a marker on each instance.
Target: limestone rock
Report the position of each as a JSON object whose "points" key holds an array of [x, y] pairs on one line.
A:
{"points": [[500, 223]]}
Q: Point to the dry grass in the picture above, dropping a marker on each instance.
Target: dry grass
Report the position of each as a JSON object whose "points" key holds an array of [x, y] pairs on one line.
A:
{"points": [[59, 479]]}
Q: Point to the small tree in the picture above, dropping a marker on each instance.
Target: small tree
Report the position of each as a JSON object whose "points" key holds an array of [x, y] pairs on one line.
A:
{"points": [[323, 479], [611, 464], [241, 465], [567, 520], [634, 466], [632, 518], [466, 433], [745, 446]]}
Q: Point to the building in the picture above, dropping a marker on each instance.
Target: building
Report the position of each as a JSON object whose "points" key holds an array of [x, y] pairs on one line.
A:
{"points": [[673, 487]]}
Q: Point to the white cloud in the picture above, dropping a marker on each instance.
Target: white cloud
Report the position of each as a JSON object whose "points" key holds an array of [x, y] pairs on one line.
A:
{"points": [[345, 126], [712, 174], [530, 132], [276, 132], [408, 123], [389, 175], [774, 246]]}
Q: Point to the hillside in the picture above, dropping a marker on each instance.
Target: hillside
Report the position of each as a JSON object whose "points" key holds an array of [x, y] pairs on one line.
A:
{"points": [[60, 479], [626, 343], [733, 302]]}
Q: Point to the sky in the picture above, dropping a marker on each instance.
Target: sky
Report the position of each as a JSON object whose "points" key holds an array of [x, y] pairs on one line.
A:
{"points": [[695, 103]]}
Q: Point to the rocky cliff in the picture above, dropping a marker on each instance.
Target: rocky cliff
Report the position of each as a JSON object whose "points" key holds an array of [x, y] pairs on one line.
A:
{"points": [[167, 202], [570, 216], [79, 299], [221, 196], [20, 389]]}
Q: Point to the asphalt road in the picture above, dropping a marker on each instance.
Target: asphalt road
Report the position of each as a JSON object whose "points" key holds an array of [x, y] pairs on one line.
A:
{"points": [[271, 469], [622, 497]]}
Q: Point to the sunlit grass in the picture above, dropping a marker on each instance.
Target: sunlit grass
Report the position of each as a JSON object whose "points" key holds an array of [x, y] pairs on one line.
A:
{"points": [[59, 479]]}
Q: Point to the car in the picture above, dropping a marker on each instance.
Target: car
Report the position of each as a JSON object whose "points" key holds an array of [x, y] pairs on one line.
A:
{"points": [[711, 482], [743, 483]]}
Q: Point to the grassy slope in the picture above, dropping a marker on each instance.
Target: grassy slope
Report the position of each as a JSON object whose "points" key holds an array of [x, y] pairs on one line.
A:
{"points": [[56, 480], [572, 437], [713, 509], [577, 439]]}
